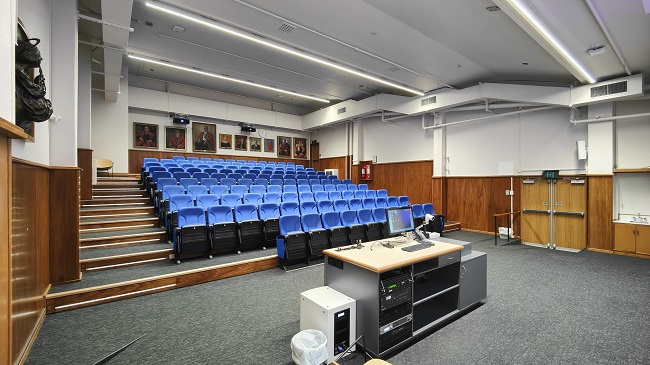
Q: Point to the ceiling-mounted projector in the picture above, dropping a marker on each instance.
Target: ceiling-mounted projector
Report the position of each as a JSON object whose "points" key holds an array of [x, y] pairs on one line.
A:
{"points": [[246, 128]]}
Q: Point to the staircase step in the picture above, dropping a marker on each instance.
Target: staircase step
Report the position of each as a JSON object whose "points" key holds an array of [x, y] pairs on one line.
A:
{"points": [[119, 261], [121, 237], [118, 223], [118, 185], [117, 200], [115, 211]]}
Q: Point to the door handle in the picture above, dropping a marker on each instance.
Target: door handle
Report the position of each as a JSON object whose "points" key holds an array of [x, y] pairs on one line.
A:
{"points": [[537, 211], [578, 214]]}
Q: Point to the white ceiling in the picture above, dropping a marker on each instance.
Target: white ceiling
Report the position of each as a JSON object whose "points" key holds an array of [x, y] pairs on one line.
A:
{"points": [[422, 44]]}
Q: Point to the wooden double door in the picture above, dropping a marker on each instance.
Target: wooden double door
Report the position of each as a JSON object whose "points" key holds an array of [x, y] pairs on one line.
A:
{"points": [[554, 212]]}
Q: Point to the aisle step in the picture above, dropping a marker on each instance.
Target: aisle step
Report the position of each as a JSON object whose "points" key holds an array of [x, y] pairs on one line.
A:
{"points": [[115, 262], [121, 200], [118, 223], [115, 211], [116, 185], [121, 238]]}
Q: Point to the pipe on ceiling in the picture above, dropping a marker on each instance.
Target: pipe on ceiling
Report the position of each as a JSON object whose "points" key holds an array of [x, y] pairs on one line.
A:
{"points": [[607, 119], [490, 117]]}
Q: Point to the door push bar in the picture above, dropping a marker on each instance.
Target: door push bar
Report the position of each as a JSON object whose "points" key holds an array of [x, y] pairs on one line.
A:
{"points": [[579, 214], [537, 211]]}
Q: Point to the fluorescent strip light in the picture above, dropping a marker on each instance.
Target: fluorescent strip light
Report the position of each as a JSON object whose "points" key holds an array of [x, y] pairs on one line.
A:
{"points": [[541, 29], [233, 31], [205, 73]]}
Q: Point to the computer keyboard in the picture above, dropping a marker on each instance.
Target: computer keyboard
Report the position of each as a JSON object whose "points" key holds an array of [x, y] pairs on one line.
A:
{"points": [[416, 247]]}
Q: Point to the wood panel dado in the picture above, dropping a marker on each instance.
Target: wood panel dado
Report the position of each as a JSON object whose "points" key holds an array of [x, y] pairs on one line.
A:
{"points": [[334, 163], [64, 223], [30, 250], [136, 156], [600, 205], [412, 178], [474, 201], [85, 163]]}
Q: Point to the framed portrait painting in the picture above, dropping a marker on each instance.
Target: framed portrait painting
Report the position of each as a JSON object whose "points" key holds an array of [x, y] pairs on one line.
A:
{"points": [[225, 141], [269, 145], [203, 137], [299, 147], [241, 142], [256, 144], [175, 138], [145, 135], [284, 146]]}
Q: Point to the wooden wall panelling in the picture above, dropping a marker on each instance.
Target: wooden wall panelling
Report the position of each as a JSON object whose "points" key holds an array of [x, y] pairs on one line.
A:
{"points": [[5, 251], [474, 201], [85, 163], [439, 195], [412, 179], [600, 208], [334, 163], [64, 223], [30, 251]]}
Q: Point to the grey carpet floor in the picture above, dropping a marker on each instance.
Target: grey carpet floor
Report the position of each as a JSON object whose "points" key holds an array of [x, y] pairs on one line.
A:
{"points": [[543, 307]]}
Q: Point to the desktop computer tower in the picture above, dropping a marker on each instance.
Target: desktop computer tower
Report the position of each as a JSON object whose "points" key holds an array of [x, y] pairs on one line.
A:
{"points": [[333, 313]]}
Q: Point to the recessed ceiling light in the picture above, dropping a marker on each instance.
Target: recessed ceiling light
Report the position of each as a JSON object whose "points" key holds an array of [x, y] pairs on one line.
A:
{"points": [[525, 63], [151, 69], [373, 33], [493, 8], [178, 29]]}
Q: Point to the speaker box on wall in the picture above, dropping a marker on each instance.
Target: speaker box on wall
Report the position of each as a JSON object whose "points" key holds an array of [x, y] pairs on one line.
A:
{"points": [[582, 150]]}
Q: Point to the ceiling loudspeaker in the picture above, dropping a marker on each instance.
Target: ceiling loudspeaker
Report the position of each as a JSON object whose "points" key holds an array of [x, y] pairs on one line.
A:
{"points": [[248, 129], [582, 150]]}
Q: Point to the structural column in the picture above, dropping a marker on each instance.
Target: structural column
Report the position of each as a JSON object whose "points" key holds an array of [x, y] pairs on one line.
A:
{"points": [[63, 134], [600, 140]]}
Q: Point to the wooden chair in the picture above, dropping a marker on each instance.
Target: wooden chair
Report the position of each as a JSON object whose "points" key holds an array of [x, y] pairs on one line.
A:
{"points": [[104, 164]]}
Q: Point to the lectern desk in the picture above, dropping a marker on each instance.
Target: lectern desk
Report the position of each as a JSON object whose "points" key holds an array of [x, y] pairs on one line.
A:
{"points": [[400, 295]]}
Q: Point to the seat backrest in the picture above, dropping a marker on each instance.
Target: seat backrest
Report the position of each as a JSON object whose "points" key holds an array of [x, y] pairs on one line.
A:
{"points": [[235, 175], [314, 182], [417, 210], [206, 200], [365, 216], [208, 181], [308, 207], [187, 181], [335, 181], [381, 203], [331, 220], [172, 169], [371, 193], [304, 189], [228, 181], [306, 196], [190, 215], [253, 198], [181, 175], [239, 189], [359, 194], [290, 189], [195, 190], [268, 211], [290, 224], [333, 195], [310, 222], [200, 175], [368, 203], [346, 181], [165, 181], [379, 214], [289, 181], [210, 170], [355, 204], [219, 190], [180, 201], [362, 187], [230, 199], [403, 201], [192, 169], [392, 201], [245, 212], [428, 208], [347, 194], [274, 181], [325, 206], [259, 189], [159, 175], [341, 187], [274, 188], [218, 176], [302, 181], [353, 187], [315, 188], [272, 198], [220, 214], [330, 187], [244, 181], [250, 175], [261, 181], [290, 197], [341, 205], [382, 193], [288, 208], [321, 195], [349, 217], [169, 190]]}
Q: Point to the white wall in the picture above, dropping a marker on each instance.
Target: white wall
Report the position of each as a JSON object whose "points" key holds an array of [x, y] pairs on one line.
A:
{"points": [[332, 141], [633, 135], [7, 78], [399, 140], [36, 16], [532, 142], [110, 126]]}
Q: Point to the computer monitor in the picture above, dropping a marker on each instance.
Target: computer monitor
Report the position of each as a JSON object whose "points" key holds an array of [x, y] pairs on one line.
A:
{"points": [[399, 220]]}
